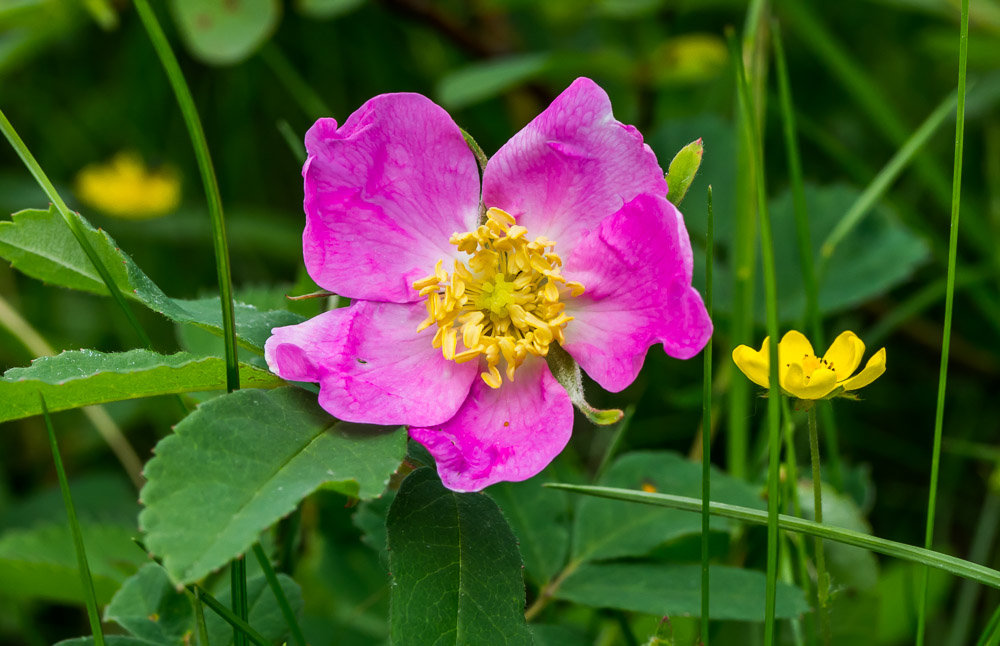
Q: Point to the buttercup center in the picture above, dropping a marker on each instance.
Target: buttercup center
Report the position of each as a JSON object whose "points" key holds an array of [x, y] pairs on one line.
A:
{"points": [[504, 302]]}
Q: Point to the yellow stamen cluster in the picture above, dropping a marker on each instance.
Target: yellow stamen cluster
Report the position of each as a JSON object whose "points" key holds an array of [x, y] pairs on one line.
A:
{"points": [[504, 303]]}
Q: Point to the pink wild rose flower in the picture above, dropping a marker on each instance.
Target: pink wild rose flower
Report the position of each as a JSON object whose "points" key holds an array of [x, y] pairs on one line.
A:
{"points": [[456, 302]]}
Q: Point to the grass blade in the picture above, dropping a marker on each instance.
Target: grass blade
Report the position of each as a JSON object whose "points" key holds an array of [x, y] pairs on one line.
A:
{"points": [[86, 581], [220, 245], [279, 595], [950, 564], [706, 427], [956, 198], [73, 222], [752, 137]]}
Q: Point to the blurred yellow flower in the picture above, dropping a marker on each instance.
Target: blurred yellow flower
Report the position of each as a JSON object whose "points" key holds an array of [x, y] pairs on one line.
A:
{"points": [[803, 375], [125, 188]]}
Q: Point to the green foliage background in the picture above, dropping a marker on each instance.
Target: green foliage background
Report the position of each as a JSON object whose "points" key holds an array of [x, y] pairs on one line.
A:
{"points": [[81, 82]]}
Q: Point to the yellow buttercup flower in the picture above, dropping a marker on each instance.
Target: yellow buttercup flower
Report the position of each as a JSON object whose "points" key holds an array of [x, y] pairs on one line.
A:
{"points": [[125, 188], [803, 375]]}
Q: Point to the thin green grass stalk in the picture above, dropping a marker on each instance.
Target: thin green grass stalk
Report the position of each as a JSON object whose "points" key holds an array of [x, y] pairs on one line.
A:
{"points": [[991, 636], [706, 427], [787, 576], [880, 184], [792, 480], [983, 540], [822, 579], [950, 564], [311, 103], [219, 243], [240, 626], [956, 198], [802, 232], [752, 136], [292, 140], [73, 222], [86, 581], [199, 618], [279, 595]]}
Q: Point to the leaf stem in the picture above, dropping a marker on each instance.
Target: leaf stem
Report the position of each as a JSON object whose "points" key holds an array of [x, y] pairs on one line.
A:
{"points": [[956, 198], [86, 581], [822, 579]]}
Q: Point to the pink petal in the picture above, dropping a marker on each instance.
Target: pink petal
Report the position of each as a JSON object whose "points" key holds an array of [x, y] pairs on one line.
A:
{"points": [[571, 167], [383, 193], [371, 364], [508, 433], [636, 270]]}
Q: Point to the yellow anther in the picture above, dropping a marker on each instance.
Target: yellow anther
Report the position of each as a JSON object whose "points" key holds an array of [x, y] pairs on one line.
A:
{"points": [[503, 303]]}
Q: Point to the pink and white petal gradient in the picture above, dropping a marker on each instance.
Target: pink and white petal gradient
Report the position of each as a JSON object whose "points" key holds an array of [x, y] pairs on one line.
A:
{"points": [[371, 364], [383, 193], [636, 268], [571, 167], [504, 434]]}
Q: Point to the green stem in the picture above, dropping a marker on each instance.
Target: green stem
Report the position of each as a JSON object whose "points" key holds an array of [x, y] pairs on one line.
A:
{"points": [[86, 581], [279, 595], [752, 136], [73, 222], [982, 546], [952, 565], [199, 618], [240, 626], [956, 198], [219, 243], [822, 581], [991, 636], [792, 477], [706, 429]]}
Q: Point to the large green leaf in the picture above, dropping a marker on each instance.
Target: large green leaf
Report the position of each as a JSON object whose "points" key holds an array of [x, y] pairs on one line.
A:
{"points": [[607, 529], [39, 244], [40, 563], [150, 608], [672, 590], [539, 518], [242, 461], [223, 32], [455, 567], [84, 377]]}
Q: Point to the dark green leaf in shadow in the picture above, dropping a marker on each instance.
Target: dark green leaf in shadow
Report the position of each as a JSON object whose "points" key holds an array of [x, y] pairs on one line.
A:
{"points": [[149, 607], [455, 567]]}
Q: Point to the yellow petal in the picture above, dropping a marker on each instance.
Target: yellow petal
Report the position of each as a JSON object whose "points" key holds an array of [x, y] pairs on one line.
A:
{"points": [[845, 354], [793, 348], [820, 384], [753, 363], [872, 371]]}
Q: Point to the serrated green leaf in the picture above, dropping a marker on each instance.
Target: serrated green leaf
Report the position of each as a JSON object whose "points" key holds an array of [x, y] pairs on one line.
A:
{"points": [[485, 80], [265, 615], [455, 567], [40, 245], [84, 377], [150, 608], [605, 529], [223, 32], [540, 520], [672, 590], [683, 169], [40, 563], [241, 461]]}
